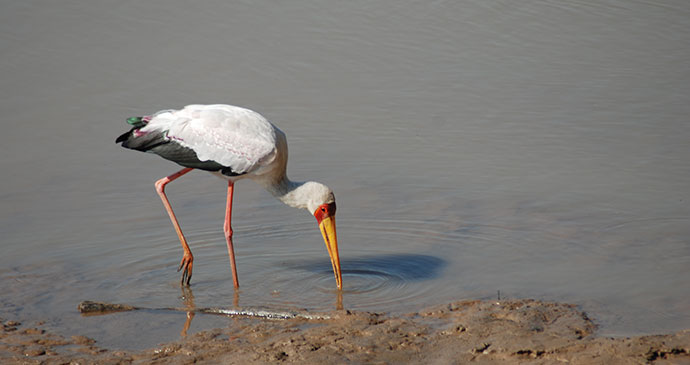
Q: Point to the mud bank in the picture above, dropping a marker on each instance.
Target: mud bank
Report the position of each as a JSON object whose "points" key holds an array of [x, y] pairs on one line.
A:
{"points": [[524, 331]]}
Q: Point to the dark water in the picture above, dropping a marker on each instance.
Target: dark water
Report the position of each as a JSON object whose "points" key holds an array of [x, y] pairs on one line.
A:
{"points": [[539, 148]]}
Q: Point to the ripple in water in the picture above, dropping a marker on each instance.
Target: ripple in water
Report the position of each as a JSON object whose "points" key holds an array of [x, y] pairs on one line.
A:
{"points": [[373, 282]]}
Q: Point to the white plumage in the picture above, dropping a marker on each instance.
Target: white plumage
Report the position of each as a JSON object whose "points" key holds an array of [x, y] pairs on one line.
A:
{"points": [[232, 136]]}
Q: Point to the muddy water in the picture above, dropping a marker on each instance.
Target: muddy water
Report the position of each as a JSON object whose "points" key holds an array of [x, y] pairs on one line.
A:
{"points": [[540, 150]]}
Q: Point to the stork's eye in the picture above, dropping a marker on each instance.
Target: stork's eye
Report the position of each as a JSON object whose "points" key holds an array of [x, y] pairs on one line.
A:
{"points": [[323, 209]]}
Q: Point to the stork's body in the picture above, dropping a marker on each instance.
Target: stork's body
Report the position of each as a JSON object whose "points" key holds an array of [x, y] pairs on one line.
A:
{"points": [[232, 143]]}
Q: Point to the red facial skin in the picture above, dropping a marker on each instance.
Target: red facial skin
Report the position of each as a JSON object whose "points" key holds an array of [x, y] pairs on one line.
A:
{"points": [[323, 211]]}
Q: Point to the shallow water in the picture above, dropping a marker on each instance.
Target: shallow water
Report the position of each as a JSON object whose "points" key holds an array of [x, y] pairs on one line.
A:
{"points": [[540, 150]]}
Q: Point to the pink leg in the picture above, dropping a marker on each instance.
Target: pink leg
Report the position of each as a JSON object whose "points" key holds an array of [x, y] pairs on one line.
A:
{"points": [[187, 258], [228, 234]]}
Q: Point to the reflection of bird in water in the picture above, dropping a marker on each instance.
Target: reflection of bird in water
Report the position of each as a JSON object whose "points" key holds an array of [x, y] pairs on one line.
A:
{"points": [[188, 300], [232, 143], [189, 306]]}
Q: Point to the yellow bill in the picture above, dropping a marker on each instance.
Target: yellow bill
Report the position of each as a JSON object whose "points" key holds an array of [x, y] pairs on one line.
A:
{"points": [[327, 227]]}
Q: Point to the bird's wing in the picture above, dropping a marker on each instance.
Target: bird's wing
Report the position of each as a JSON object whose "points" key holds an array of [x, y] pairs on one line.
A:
{"points": [[231, 136]]}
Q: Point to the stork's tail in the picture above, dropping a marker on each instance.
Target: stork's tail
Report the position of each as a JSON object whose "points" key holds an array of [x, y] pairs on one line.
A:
{"points": [[141, 141]]}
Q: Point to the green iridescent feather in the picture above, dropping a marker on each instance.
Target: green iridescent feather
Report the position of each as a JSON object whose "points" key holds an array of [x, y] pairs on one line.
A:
{"points": [[136, 122]]}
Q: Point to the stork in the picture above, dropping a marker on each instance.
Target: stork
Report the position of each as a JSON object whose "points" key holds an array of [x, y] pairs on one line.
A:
{"points": [[232, 143]]}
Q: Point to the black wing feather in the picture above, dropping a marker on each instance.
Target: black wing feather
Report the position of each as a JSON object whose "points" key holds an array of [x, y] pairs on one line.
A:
{"points": [[157, 142]]}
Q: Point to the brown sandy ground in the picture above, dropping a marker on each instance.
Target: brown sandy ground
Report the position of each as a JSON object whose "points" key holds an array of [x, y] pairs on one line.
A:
{"points": [[512, 331]]}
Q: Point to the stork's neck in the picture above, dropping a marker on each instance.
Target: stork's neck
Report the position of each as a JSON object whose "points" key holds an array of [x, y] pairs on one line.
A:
{"points": [[305, 195], [289, 192]]}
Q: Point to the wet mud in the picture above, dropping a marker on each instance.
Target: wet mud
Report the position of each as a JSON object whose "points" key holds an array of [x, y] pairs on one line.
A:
{"points": [[510, 331]]}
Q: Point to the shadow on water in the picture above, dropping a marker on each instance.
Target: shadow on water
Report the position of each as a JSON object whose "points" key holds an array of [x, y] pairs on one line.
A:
{"points": [[404, 267]]}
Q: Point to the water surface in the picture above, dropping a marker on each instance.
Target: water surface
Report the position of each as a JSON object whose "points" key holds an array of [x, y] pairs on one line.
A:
{"points": [[538, 149]]}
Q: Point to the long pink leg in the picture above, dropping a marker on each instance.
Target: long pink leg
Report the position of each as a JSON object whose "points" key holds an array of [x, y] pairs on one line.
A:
{"points": [[187, 258], [228, 234]]}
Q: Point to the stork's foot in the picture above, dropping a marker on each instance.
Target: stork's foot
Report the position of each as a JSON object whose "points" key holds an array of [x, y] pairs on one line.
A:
{"points": [[186, 263]]}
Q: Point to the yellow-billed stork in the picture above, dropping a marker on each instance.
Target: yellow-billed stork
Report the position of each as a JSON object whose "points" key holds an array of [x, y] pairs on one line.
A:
{"points": [[232, 143]]}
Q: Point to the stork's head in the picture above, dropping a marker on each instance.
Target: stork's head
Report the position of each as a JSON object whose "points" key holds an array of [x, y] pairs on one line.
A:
{"points": [[319, 200]]}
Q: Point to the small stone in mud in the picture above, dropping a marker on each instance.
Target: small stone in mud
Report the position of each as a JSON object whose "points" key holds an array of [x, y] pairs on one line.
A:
{"points": [[34, 331], [481, 349], [82, 340], [34, 351]]}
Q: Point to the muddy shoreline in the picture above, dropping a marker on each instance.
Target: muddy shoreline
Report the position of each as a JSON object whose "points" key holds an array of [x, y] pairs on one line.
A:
{"points": [[525, 331]]}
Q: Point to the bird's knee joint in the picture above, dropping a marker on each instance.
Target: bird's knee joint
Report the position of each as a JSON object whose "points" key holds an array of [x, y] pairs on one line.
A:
{"points": [[160, 186]]}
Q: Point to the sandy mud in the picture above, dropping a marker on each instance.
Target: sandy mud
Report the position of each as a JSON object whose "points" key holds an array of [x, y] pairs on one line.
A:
{"points": [[511, 331]]}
